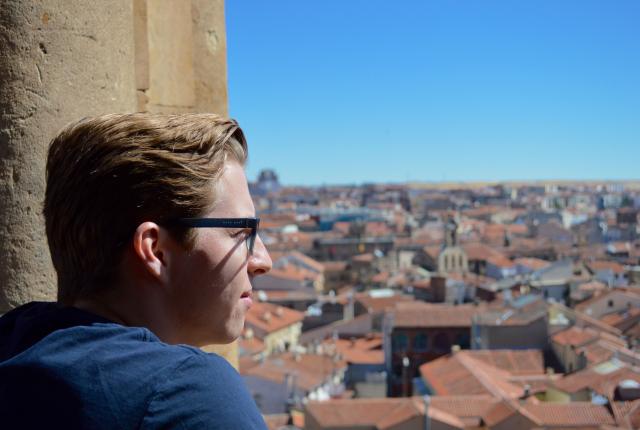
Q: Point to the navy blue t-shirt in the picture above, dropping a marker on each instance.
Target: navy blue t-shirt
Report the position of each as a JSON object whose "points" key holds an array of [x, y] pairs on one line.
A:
{"points": [[62, 367]]}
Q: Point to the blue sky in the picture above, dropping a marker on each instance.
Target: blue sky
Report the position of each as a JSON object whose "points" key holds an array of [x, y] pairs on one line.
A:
{"points": [[352, 91]]}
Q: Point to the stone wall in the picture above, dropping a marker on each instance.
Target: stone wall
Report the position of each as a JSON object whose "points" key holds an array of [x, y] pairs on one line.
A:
{"points": [[59, 61]]}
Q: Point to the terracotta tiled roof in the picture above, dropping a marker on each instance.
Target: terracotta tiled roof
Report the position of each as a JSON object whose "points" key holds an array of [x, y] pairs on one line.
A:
{"points": [[575, 336], [375, 414], [360, 351], [615, 319], [497, 232], [532, 263], [356, 412], [595, 379], [627, 414], [372, 341], [622, 410], [419, 314], [500, 261], [480, 251], [464, 406], [570, 414], [450, 377], [311, 370], [597, 352], [477, 372], [498, 413], [292, 272], [270, 318], [616, 268]]}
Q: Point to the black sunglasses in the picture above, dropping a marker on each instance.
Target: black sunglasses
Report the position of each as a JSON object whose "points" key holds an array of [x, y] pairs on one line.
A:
{"points": [[251, 223]]}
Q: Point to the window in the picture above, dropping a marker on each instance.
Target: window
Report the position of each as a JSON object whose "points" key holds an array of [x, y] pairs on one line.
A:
{"points": [[420, 342], [400, 342]]}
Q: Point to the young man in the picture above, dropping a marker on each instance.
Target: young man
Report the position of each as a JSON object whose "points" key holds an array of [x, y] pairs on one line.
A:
{"points": [[153, 236]]}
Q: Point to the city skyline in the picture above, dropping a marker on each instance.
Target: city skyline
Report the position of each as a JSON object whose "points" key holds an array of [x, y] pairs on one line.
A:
{"points": [[357, 92]]}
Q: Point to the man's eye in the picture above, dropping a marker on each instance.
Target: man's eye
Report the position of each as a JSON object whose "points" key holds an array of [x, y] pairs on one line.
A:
{"points": [[239, 233]]}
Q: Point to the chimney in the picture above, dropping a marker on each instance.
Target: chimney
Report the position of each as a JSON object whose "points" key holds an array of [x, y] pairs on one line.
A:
{"points": [[279, 312], [266, 317]]}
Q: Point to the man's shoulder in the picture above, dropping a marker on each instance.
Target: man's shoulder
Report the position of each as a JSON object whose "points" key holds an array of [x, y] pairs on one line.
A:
{"points": [[204, 391]]}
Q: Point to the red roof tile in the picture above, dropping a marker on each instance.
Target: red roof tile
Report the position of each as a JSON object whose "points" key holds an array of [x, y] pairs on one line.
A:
{"points": [[532, 263], [420, 314], [570, 414], [360, 351], [311, 370], [616, 268], [376, 414], [270, 318], [482, 372], [574, 336]]}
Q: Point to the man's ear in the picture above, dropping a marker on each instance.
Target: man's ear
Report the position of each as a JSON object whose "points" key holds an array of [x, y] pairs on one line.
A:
{"points": [[151, 247]]}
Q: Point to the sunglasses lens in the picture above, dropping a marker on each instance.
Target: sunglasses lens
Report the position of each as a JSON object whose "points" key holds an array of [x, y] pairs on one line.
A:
{"points": [[251, 239]]}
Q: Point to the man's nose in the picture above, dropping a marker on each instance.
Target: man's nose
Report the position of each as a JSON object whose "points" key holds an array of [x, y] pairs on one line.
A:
{"points": [[260, 261]]}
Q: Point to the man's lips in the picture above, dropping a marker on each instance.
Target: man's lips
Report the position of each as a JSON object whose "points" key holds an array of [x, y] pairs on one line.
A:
{"points": [[247, 297]]}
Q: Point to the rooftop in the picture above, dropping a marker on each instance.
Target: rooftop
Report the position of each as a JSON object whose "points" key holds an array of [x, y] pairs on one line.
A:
{"points": [[269, 318], [419, 314]]}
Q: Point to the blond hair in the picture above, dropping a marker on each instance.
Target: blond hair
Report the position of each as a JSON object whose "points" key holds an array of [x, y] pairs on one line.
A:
{"points": [[108, 174]]}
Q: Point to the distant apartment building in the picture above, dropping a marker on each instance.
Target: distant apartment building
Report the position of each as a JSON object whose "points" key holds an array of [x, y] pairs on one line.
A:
{"points": [[416, 333], [610, 302]]}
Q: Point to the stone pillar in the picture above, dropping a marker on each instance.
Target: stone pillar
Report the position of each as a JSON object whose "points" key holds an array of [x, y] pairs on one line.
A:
{"points": [[184, 69], [59, 61]]}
